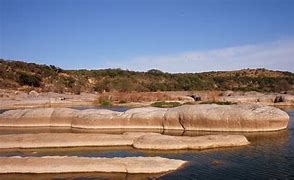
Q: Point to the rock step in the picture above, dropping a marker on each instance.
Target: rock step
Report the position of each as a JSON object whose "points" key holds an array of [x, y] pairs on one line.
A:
{"points": [[149, 141], [66, 164], [155, 142]]}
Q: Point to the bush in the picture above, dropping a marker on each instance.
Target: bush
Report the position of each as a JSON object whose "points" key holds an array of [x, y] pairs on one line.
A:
{"points": [[217, 102], [102, 86], [30, 80], [122, 102], [105, 102], [164, 104], [76, 89]]}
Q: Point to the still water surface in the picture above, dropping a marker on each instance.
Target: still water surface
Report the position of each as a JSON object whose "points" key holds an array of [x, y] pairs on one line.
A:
{"points": [[269, 156]]}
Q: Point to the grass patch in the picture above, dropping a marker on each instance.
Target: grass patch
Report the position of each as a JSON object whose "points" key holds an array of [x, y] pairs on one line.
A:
{"points": [[105, 102], [217, 102], [190, 103], [163, 104]]}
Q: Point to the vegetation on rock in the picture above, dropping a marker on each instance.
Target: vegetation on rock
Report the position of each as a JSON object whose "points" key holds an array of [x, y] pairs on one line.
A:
{"points": [[164, 104]]}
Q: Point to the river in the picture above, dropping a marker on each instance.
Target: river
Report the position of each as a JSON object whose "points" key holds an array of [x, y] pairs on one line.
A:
{"points": [[269, 156]]}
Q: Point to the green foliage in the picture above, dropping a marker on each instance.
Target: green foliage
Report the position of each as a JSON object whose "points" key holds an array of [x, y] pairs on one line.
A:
{"points": [[164, 104], [14, 74], [102, 86], [217, 102], [29, 80], [105, 102], [155, 72]]}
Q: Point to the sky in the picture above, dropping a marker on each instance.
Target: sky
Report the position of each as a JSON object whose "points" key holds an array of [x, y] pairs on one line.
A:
{"points": [[170, 35]]}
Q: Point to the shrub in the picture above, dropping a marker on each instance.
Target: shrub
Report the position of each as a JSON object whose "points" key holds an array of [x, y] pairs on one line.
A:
{"points": [[164, 104], [122, 102], [105, 102], [218, 102], [76, 89], [30, 80], [102, 86]]}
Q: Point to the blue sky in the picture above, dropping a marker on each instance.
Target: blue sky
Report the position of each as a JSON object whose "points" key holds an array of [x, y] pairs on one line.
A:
{"points": [[171, 35]]}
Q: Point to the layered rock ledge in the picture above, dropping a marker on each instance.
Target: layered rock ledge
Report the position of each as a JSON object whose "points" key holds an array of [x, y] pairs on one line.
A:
{"points": [[64, 164], [208, 117], [155, 142], [149, 141]]}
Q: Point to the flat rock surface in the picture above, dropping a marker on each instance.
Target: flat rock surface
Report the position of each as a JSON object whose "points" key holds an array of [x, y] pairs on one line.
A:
{"points": [[147, 141], [164, 142], [44, 140], [64, 164]]}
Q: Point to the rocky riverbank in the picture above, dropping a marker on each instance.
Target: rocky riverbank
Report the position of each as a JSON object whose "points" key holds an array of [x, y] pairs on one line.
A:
{"points": [[19, 99]]}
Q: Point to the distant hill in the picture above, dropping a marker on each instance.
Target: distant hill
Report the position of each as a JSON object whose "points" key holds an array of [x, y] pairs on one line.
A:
{"points": [[26, 76]]}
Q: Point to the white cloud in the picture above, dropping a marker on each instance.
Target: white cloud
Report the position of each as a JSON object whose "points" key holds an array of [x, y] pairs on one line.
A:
{"points": [[278, 55]]}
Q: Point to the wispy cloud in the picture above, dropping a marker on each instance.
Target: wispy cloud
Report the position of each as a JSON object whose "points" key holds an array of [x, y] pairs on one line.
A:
{"points": [[278, 55]]}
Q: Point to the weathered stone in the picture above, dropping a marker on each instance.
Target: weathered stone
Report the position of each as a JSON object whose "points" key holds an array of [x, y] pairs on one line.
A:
{"points": [[151, 118], [63, 164], [34, 93], [137, 140], [232, 118], [209, 117], [62, 117], [99, 119], [46, 140], [164, 142], [26, 117]]}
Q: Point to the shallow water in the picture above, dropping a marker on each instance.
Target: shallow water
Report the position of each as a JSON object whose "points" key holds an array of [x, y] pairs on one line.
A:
{"points": [[269, 156]]}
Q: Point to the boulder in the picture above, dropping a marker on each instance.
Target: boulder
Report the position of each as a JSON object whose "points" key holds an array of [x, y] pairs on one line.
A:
{"points": [[288, 98], [33, 93], [212, 117]]}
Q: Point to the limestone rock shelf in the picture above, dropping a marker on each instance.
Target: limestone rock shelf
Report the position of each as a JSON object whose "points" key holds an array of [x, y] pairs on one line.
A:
{"points": [[208, 117], [65, 164], [149, 141]]}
